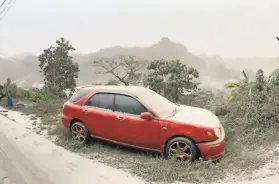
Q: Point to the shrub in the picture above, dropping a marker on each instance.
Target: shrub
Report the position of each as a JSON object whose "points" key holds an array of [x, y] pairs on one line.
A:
{"points": [[202, 98], [37, 97], [250, 117]]}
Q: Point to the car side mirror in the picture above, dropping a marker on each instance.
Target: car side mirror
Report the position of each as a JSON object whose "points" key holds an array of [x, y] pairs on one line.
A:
{"points": [[146, 115]]}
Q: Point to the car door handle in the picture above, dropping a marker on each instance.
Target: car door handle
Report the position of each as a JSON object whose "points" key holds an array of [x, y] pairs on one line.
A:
{"points": [[85, 111], [121, 118]]}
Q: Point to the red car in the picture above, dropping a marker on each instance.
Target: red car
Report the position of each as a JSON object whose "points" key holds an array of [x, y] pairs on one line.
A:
{"points": [[139, 117]]}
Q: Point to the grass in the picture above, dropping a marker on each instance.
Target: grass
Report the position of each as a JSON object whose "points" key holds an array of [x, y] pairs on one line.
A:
{"points": [[251, 126]]}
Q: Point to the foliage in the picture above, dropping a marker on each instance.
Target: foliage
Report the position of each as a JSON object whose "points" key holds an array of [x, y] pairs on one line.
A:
{"points": [[260, 83], [273, 78], [231, 85], [171, 78], [236, 85], [33, 94], [8, 85], [128, 65], [97, 84], [201, 98], [12, 89], [37, 97], [112, 82], [250, 116], [59, 70]]}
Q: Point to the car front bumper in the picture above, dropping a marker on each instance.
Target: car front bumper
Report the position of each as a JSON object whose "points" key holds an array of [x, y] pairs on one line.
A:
{"points": [[212, 150]]}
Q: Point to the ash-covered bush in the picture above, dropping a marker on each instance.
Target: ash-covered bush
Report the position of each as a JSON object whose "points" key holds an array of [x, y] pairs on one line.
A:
{"points": [[12, 89], [250, 118], [252, 114], [202, 98]]}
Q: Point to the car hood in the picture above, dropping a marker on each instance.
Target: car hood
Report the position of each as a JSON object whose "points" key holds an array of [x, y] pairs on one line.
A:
{"points": [[196, 116]]}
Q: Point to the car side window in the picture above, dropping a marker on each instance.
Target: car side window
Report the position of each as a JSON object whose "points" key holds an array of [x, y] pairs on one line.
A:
{"points": [[101, 100], [127, 104]]}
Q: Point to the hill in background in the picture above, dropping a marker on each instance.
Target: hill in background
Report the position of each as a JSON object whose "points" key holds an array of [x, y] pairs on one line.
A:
{"points": [[214, 71]]}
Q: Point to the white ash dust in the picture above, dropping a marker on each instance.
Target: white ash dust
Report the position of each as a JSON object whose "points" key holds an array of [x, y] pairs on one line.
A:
{"points": [[31, 122], [61, 165]]}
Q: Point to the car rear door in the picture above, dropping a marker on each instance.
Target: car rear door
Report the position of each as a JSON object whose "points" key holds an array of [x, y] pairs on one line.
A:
{"points": [[131, 129], [99, 116]]}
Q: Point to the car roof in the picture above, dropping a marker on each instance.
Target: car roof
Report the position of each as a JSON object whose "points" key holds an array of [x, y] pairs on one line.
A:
{"points": [[129, 90]]}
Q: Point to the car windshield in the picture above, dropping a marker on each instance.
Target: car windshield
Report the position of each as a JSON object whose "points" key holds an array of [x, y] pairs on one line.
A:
{"points": [[158, 103]]}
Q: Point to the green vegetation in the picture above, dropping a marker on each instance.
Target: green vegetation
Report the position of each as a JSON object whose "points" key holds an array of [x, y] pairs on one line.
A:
{"points": [[38, 97]]}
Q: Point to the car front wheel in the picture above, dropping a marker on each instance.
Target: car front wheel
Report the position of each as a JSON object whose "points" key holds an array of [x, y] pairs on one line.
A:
{"points": [[181, 148], [80, 133]]}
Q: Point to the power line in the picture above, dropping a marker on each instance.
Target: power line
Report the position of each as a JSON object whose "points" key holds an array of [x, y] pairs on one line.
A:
{"points": [[2, 4], [7, 8]]}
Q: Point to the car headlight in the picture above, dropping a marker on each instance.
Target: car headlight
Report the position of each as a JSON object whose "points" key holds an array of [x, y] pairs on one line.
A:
{"points": [[218, 132]]}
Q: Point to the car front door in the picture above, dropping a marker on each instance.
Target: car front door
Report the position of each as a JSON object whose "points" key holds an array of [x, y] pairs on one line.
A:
{"points": [[131, 129], [99, 116]]}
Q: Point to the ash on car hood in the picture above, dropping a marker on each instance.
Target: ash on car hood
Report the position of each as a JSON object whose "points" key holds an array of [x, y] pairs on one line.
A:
{"points": [[196, 116]]}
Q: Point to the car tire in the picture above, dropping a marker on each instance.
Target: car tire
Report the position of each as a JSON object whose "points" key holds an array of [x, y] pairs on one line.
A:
{"points": [[80, 133], [181, 148]]}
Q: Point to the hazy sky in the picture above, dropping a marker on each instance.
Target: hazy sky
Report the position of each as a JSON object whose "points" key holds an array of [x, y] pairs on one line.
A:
{"points": [[229, 28]]}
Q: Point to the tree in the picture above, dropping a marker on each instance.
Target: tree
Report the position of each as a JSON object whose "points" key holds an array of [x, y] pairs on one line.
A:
{"points": [[260, 80], [126, 69], [59, 70], [171, 78]]}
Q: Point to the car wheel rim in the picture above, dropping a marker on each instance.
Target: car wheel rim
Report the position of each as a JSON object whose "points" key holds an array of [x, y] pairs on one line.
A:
{"points": [[78, 133], [180, 150]]}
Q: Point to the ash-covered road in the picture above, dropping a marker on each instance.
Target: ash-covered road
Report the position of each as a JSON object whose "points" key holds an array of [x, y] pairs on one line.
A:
{"points": [[27, 158], [15, 168]]}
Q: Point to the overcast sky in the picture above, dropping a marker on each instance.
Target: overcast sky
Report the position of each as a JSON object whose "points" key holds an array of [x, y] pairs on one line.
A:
{"points": [[229, 28]]}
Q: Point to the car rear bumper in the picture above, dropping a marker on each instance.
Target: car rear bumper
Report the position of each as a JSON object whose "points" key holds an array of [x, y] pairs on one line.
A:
{"points": [[212, 150], [66, 121]]}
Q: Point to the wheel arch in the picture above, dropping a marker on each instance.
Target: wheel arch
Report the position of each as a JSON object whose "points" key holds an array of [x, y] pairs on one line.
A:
{"points": [[74, 120], [185, 136]]}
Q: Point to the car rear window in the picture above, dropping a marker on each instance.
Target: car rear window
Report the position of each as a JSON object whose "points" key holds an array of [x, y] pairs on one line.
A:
{"points": [[79, 95]]}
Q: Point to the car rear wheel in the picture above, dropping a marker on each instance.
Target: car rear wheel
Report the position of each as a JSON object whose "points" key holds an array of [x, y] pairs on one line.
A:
{"points": [[80, 133], [181, 148]]}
